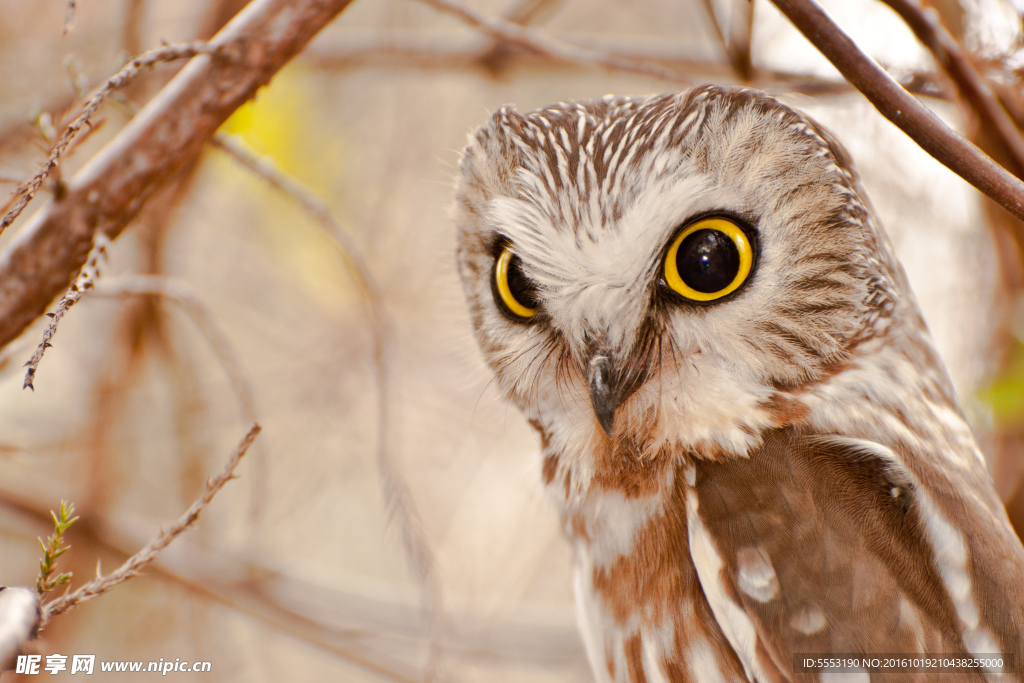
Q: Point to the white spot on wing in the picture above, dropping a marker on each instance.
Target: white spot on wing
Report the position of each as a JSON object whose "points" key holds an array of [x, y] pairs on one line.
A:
{"points": [[981, 642], [951, 560], [808, 620], [948, 546], [756, 575]]}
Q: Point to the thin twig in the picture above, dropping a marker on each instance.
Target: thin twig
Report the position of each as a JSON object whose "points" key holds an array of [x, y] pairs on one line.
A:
{"points": [[335, 617], [133, 566], [85, 281], [450, 53], [177, 292], [169, 132], [522, 13], [973, 88], [264, 594], [538, 42], [455, 52], [126, 75], [900, 107], [396, 490]]}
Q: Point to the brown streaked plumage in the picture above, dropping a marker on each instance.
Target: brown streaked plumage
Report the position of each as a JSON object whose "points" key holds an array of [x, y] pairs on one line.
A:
{"points": [[746, 472]]}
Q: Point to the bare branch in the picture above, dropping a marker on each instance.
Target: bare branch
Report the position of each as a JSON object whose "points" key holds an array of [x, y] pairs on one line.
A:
{"points": [[458, 52], [85, 281], [740, 38], [336, 618], [973, 88], [169, 131], [520, 12], [122, 78], [537, 42], [181, 294], [133, 566], [461, 53], [396, 490], [900, 107], [367, 284]]}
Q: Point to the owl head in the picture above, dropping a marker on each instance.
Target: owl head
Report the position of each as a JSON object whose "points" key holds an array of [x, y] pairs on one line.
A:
{"points": [[652, 273]]}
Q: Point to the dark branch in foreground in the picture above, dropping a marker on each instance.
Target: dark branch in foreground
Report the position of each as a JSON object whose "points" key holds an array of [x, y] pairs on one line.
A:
{"points": [[126, 75], [969, 82], [900, 107]]}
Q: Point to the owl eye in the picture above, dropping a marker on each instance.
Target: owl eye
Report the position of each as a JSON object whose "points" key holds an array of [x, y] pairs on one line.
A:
{"points": [[709, 260], [513, 290]]}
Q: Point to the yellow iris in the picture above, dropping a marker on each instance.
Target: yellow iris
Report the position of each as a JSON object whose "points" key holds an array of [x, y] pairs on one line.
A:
{"points": [[738, 238], [501, 273]]}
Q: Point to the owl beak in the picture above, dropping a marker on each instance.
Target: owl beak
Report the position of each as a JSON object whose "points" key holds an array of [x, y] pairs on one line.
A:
{"points": [[603, 395]]}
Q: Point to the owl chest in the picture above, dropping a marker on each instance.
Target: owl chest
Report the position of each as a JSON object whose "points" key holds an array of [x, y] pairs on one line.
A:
{"points": [[642, 611]]}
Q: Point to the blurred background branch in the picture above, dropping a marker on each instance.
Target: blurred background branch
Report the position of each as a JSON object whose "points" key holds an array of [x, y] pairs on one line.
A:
{"points": [[397, 493]]}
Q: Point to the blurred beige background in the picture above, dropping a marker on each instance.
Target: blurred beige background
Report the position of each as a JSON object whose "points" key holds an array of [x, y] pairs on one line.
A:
{"points": [[295, 572]]}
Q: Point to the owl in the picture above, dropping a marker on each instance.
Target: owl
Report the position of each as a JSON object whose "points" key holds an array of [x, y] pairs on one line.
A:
{"points": [[755, 450]]}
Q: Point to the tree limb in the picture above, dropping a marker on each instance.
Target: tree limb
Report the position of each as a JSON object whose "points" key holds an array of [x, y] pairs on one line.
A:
{"points": [[969, 82], [900, 107], [172, 129]]}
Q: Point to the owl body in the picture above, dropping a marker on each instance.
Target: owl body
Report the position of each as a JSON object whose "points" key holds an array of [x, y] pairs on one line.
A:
{"points": [[755, 449]]}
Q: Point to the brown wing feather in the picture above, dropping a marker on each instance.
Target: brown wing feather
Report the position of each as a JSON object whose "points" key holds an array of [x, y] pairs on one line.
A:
{"points": [[844, 534]]}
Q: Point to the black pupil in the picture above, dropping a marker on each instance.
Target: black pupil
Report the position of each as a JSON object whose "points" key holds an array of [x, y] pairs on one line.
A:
{"points": [[708, 260], [524, 291]]}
